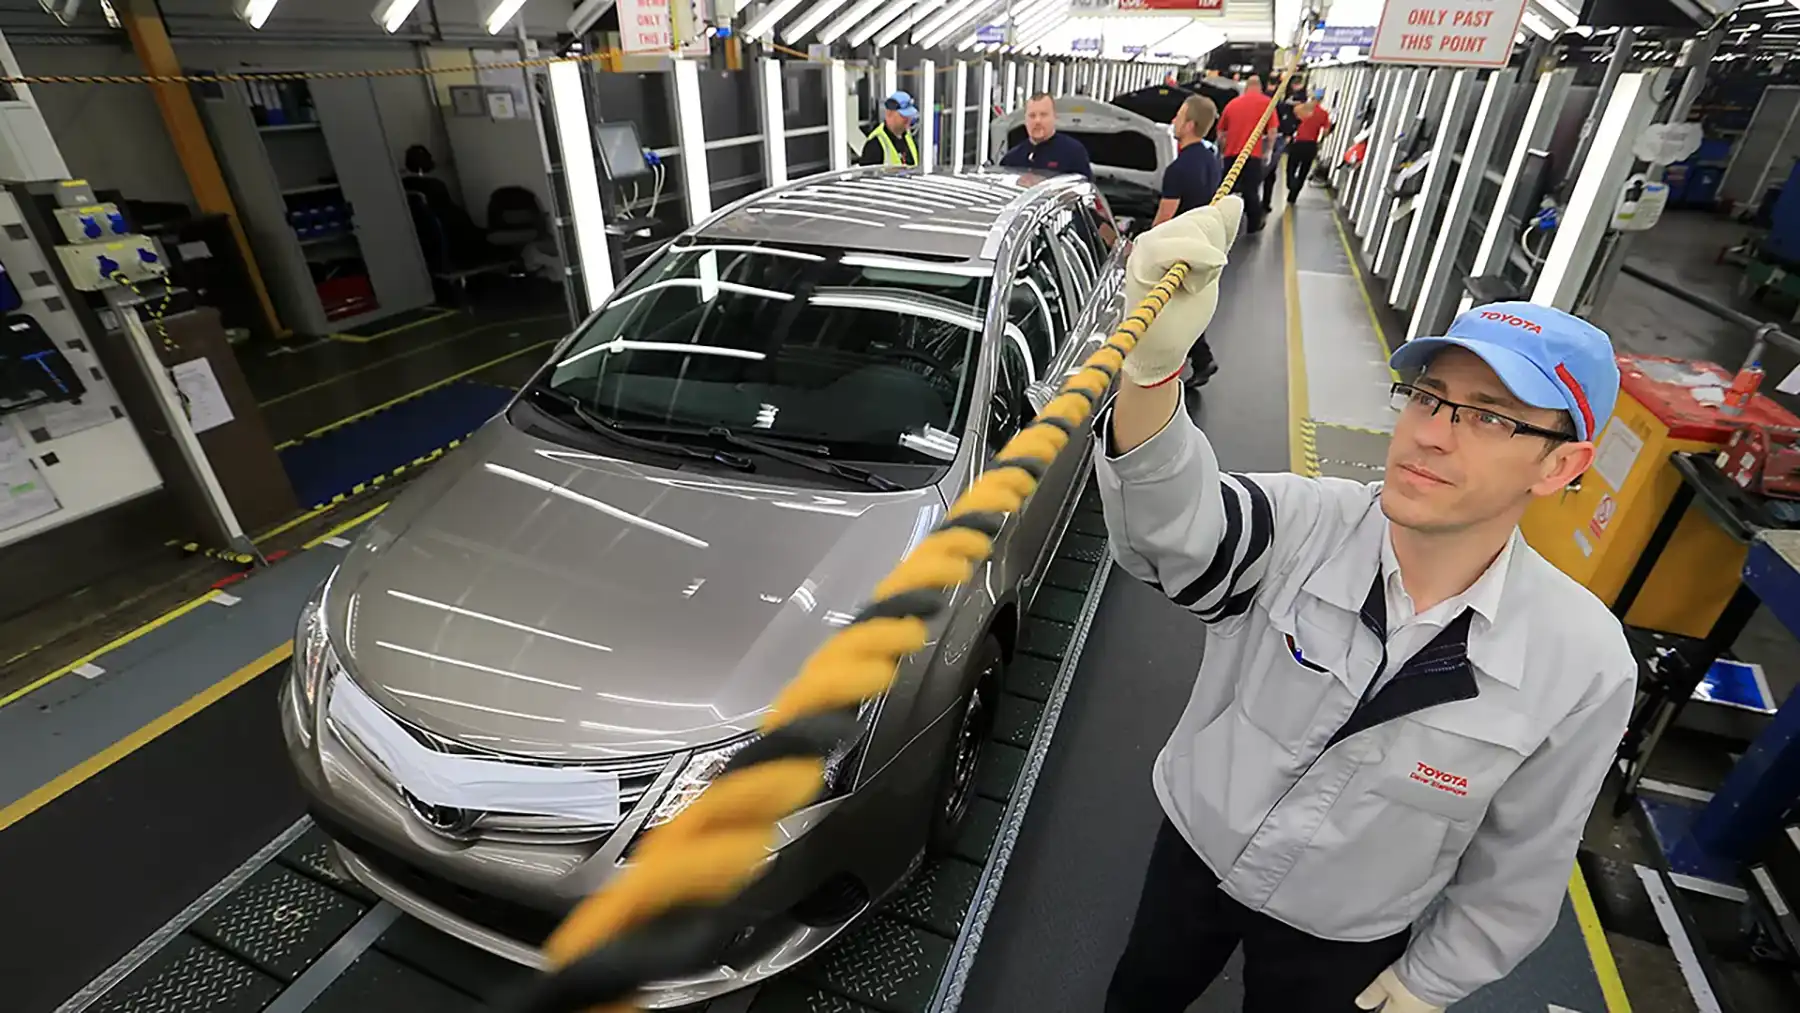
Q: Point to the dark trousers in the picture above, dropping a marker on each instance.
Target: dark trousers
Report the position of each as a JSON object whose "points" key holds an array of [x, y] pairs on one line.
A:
{"points": [[1186, 928], [1201, 358], [1300, 156], [1249, 187]]}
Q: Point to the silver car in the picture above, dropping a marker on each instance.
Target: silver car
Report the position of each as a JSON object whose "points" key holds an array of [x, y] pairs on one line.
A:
{"points": [[558, 636]]}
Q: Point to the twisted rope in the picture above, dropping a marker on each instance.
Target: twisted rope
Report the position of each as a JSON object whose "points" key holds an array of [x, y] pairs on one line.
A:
{"points": [[662, 915]]}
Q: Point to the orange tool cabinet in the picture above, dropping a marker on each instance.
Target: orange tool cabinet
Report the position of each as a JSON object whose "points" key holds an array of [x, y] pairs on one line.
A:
{"points": [[1595, 534]]}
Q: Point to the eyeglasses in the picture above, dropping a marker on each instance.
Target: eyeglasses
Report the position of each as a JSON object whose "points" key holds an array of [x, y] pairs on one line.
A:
{"points": [[1483, 423]]}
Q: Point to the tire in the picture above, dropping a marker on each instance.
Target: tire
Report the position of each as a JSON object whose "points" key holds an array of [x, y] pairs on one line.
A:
{"points": [[974, 724]]}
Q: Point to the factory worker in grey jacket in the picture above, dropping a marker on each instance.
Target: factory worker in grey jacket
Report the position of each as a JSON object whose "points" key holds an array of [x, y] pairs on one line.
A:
{"points": [[1404, 713]]}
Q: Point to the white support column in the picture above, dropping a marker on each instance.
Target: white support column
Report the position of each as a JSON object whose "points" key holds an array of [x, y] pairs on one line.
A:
{"points": [[1062, 79], [690, 133], [1381, 85], [1026, 90], [1425, 206], [576, 140], [890, 76], [927, 114], [1012, 86], [1597, 189], [775, 170], [984, 113], [1540, 121], [1381, 150], [837, 118], [959, 122], [1441, 288], [1434, 86]]}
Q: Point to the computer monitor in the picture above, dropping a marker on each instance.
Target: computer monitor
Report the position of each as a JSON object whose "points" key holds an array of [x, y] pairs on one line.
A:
{"points": [[621, 156]]}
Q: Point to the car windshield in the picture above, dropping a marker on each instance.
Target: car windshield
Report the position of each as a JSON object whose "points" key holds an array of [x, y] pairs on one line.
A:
{"points": [[870, 355]]}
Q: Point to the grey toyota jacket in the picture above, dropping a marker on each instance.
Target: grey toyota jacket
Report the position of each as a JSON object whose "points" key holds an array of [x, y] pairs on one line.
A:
{"points": [[1465, 780]]}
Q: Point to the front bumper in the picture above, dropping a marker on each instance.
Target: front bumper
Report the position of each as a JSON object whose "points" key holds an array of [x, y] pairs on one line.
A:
{"points": [[505, 894]]}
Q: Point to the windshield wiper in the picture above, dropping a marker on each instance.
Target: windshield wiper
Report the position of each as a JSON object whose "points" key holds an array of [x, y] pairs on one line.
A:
{"points": [[599, 424], [811, 456]]}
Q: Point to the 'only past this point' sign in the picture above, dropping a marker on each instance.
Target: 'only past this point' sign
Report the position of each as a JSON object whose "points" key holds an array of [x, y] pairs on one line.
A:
{"points": [[1447, 33]]}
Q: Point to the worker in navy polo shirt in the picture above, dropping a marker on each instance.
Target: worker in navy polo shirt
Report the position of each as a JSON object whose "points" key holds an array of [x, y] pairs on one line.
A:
{"points": [[1188, 183], [1043, 148]]}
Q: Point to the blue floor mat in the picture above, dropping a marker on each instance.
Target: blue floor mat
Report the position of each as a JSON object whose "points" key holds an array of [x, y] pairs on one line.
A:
{"points": [[336, 462]]}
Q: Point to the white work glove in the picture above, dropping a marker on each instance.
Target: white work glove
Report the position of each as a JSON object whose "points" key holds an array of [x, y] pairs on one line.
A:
{"points": [[1386, 994], [1201, 237]]}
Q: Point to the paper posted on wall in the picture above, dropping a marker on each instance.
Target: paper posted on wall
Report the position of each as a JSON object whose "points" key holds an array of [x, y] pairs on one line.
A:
{"points": [[206, 404], [1617, 454], [24, 495]]}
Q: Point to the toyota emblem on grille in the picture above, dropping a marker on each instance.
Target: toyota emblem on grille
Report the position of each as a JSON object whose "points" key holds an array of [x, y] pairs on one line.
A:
{"points": [[447, 820]]}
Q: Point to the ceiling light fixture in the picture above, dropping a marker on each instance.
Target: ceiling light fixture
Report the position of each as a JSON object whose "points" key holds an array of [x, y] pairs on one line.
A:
{"points": [[391, 14], [764, 25], [1557, 12], [848, 20], [913, 17], [502, 14], [810, 20], [958, 14], [967, 15], [255, 12], [1539, 26]]}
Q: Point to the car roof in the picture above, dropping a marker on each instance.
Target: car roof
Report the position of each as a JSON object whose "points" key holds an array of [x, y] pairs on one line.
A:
{"points": [[959, 215]]}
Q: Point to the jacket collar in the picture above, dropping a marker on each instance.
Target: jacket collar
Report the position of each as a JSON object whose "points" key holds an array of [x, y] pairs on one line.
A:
{"points": [[1343, 580]]}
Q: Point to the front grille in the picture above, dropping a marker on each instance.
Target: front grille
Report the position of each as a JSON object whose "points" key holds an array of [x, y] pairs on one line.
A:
{"points": [[636, 776], [515, 921]]}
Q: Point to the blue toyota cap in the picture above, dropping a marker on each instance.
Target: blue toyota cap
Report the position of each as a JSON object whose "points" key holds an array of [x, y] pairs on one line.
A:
{"points": [[1547, 358], [902, 103]]}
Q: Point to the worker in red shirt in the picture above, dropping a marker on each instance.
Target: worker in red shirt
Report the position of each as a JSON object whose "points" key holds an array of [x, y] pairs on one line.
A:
{"points": [[1236, 121], [1315, 126]]}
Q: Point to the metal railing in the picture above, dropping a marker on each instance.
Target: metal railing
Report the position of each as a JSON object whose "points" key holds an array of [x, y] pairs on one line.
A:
{"points": [[1762, 333]]}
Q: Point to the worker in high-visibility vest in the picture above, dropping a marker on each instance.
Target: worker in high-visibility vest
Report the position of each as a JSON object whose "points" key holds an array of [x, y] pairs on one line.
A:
{"points": [[891, 142]]}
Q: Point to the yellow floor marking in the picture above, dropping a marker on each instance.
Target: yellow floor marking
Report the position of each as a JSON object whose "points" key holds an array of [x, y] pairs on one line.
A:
{"points": [[1599, 951], [74, 776], [1303, 457], [346, 526], [166, 617], [1387, 350]]}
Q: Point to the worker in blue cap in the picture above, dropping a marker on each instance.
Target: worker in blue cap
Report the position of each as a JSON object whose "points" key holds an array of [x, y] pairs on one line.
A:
{"points": [[1403, 713], [892, 142]]}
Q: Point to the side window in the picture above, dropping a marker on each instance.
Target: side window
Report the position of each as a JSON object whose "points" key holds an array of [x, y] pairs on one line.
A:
{"points": [[1092, 226], [1008, 409], [1039, 303], [1077, 258]]}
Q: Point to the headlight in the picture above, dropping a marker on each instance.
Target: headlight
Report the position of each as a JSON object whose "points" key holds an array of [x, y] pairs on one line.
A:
{"points": [[314, 660], [708, 764]]}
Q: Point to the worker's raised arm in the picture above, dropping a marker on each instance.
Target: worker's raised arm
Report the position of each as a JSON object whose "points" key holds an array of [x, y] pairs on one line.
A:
{"points": [[1206, 538]]}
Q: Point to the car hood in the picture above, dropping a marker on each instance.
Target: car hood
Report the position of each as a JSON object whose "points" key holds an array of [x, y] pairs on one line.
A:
{"points": [[542, 601]]}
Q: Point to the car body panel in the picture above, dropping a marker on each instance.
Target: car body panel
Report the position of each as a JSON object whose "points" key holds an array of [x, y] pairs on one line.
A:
{"points": [[634, 609], [529, 601]]}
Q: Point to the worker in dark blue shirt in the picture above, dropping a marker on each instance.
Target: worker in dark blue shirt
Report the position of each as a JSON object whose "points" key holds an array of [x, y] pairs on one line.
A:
{"points": [[1043, 148], [1188, 183], [1191, 180]]}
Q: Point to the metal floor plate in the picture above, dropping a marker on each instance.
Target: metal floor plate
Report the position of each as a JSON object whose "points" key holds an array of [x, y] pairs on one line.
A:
{"points": [[242, 953]]}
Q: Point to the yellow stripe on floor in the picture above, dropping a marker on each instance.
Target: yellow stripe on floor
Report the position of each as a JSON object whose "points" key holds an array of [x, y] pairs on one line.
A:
{"points": [[346, 526], [74, 776], [112, 645], [1599, 951], [383, 406], [1387, 348], [1303, 454]]}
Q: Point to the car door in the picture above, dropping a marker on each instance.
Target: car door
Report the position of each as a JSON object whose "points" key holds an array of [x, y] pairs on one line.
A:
{"points": [[1041, 304]]}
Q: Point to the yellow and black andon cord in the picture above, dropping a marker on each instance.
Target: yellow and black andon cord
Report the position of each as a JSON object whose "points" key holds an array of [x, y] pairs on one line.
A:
{"points": [[667, 913]]}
